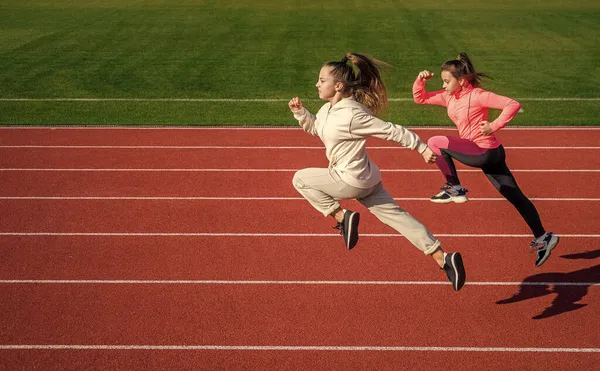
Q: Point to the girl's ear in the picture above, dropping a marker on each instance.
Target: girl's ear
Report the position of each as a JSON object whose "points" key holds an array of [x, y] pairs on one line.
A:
{"points": [[339, 86], [462, 82]]}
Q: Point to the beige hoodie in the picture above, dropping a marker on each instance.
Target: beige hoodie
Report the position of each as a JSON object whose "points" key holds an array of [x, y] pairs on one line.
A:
{"points": [[344, 129]]}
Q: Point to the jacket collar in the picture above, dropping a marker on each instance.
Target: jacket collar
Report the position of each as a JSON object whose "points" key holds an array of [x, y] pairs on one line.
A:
{"points": [[464, 91], [344, 103]]}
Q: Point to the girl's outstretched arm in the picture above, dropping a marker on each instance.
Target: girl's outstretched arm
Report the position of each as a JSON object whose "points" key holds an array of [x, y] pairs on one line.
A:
{"points": [[365, 125]]}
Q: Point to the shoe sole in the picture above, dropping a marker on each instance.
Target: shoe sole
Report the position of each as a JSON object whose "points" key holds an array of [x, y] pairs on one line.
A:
{"points": [[458, 200], [353, 223], [551, 246], [459, 271]]}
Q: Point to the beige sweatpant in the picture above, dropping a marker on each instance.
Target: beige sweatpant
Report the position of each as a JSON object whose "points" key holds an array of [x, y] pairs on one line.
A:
{"points": [[323, 187]]}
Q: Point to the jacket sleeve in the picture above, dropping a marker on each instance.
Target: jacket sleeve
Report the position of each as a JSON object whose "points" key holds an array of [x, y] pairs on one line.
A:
{"points": [[509, 107], [365, 125], [307, 121], [421, 96]]}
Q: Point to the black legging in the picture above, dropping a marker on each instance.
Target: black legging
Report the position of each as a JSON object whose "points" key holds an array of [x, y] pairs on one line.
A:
{"points": [[493, 164]]}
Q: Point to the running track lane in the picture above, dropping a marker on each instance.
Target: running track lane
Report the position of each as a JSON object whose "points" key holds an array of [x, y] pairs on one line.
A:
{"points": [[509, 136], [246, 158], [274, 216], [270, 184], [247, 258], [289, 315], [153, 359]]}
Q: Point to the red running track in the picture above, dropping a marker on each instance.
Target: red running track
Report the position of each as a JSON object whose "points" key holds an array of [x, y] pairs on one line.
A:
{"points": [[279, 216], [194, 301], [117, 136], [269, 184], [276, 259], [247, 158]]}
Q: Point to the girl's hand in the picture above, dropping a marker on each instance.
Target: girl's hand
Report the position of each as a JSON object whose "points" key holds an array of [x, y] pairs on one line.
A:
{"points": [[486, 128], [425, 75], [429, 156], [295, 104]]}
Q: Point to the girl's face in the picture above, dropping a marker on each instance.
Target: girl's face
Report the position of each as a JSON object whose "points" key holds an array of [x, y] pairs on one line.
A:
{"points": [[451, 84], [326, 84]]}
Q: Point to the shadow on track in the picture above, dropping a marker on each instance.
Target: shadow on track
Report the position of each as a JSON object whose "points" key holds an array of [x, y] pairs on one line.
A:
{"points": [[572, 288]]}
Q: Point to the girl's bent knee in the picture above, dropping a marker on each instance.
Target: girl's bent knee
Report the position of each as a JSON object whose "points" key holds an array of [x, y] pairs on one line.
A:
{"points": [[297, 181], [436, 143]]}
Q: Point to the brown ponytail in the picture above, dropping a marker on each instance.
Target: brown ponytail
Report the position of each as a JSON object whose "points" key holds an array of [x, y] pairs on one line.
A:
{"points": [[462, 67], [362, 80]]}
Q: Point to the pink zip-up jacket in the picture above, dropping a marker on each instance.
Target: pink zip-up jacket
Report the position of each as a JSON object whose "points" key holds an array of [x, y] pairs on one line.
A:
{"points": [[468, 108]]}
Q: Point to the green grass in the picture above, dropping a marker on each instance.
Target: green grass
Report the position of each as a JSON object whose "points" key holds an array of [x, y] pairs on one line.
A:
{"points": [[274, 50]]}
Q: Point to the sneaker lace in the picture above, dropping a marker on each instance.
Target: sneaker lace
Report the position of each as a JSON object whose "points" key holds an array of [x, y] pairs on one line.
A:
{"points": [[535, 245], [532, 246], [340, 227], [449, 186], [446, 187]]}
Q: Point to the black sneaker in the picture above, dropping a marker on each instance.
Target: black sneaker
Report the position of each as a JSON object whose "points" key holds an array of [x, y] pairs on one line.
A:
{"points": [[455, 270], [349, 228], [450, 194], [544, 245]]}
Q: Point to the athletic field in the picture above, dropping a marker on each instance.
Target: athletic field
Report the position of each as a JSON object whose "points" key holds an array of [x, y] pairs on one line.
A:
{"points": [[197, 62], [147, 215]]}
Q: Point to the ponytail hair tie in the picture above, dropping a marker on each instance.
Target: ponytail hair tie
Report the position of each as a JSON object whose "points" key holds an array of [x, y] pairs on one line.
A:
{"points": [[347, 57]]}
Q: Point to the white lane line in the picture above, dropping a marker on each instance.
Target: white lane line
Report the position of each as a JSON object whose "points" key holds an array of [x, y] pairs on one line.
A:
{"points": [[275, 282], [199, 198], [287, 170], [255, 147], [217, 234], [312, 348]]}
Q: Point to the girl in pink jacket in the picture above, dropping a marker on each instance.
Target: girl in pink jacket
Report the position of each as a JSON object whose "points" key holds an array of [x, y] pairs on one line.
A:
{"points": [[477, 146], [355, 94]]}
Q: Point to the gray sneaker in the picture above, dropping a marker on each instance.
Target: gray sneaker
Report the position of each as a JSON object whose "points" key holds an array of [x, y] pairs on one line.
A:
{"points": [[449, 194], [544, 245]]}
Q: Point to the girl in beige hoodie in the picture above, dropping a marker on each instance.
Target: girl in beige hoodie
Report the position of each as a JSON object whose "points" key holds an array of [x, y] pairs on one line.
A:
{"points": [[355, 94]]}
